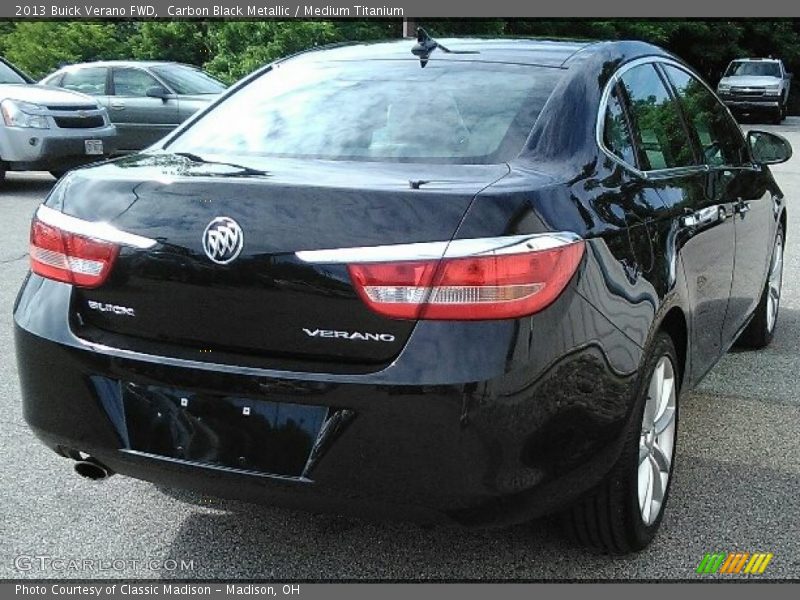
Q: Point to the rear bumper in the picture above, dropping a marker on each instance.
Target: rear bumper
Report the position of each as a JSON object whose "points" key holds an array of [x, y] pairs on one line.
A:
{"points": [[481, 440], [53, 149]]}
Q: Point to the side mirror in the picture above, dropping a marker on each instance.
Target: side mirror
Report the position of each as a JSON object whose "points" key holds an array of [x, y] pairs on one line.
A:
{"points": [[157, 91], [768, 148], [790, 76]]}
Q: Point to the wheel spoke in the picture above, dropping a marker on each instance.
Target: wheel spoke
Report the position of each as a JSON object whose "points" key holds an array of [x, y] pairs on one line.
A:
{"points": [[657, 491], [664, 421], [771, 303], [645, 481], [644, 451], [652, 402], [661, 459], [665, 398], [777, 268]]}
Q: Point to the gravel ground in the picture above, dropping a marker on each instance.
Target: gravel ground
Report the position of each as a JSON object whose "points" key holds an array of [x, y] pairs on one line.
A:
{"points": [[736, 486]]}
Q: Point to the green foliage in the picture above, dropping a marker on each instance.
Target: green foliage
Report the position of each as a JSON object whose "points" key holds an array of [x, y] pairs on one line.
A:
{"points": [[181, 41], [231, 49], [39, 47], [240, 47]]}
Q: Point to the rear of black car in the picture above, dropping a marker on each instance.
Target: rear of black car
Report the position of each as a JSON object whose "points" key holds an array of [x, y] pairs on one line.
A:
{"points": [[352, 348]]}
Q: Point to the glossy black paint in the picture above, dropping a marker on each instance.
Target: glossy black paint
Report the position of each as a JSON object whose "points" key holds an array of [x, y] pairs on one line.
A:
{"points": [[273, 438], [482, 422], [282, 212]]}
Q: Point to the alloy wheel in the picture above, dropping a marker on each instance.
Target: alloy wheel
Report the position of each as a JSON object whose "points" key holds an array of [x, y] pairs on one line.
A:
{"points": [[657, 440], [774, 284]]}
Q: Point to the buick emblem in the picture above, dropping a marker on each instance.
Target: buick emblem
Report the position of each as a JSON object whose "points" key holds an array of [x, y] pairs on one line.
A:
{"points": [[223, 240]]}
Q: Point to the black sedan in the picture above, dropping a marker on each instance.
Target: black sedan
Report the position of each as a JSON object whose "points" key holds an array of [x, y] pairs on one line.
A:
{"points": [[464, 280]]}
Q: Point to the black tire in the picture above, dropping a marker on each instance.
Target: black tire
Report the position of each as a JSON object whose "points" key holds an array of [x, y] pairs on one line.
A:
{"points": [[777, 117], [609, 518], [761, 330]]}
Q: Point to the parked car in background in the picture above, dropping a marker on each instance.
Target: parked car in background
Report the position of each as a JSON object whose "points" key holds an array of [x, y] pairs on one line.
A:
{"points": [[48, 130], [756, 85], [145, 99], [473, 291]]}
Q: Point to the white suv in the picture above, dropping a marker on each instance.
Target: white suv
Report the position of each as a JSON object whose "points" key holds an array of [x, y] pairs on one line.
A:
{"points": [[46, 129], [753, 85]]}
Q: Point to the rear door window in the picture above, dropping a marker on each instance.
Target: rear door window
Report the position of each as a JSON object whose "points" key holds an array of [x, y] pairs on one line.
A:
{"points": [[616, 133], [656, 120], [90, 80], [719, 136]]}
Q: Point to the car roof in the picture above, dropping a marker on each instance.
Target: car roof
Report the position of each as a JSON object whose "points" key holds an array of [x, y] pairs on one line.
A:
{"points": [[121, 63], [548, 52], [531, 51], [756, 60]]}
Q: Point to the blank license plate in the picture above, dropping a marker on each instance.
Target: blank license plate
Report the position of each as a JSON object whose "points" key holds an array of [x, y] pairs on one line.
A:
{"points": [[93, 146]]}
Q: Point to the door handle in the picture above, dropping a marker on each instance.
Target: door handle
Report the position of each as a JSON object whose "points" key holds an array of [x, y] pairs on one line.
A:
{"points": [[709, 214], [118, 106]]}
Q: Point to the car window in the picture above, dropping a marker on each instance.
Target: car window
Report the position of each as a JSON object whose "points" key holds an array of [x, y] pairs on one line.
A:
{"points": [[91, 80], [753, 68], [133, 82], [378, 110], [657, 120], [9, 75], [616, 135], [189, 80], [720, 138]]}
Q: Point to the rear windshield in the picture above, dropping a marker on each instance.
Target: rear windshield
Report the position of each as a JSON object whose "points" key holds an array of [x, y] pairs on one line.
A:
{"points": [[378, 110], [760, 69], [9, 75], [188, 80]]}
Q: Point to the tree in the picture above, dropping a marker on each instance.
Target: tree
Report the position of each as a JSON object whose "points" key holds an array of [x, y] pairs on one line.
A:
{"points": [[240, 47], [232, 49], [181, 41], [39, 47]]}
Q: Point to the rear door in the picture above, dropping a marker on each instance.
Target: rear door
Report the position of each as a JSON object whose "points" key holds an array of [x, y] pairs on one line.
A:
{"points": [[140, 119], [704, 235], [735, 183]]}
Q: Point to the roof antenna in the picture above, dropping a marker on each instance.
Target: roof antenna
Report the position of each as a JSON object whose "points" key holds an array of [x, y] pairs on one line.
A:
{"points": [[426, 45]]}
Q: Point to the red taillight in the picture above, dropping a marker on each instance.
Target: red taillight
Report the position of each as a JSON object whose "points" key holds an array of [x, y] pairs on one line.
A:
{"points": [[68, 257], [498, 286]]}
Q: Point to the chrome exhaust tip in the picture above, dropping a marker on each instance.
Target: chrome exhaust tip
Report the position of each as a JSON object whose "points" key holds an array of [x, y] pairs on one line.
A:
{"points": [[90, 468]]}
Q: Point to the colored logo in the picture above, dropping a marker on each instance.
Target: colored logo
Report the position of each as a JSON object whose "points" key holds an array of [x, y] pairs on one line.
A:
{"points": [[734, 563]]}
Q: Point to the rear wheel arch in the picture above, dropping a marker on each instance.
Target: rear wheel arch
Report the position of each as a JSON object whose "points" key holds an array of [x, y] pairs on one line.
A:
{"points": [[675, 325]]}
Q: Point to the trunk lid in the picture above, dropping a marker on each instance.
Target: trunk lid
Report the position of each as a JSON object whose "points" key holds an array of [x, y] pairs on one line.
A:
{"points": [[266, 303]]}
